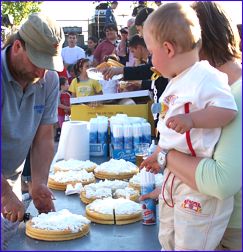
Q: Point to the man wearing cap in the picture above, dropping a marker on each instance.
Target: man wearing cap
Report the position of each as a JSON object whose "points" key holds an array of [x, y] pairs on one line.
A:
{"points": [[29, 110]]}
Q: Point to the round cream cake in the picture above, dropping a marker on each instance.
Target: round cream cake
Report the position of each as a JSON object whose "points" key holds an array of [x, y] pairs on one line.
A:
{"points": [[116, 169], [57, 226], [114, 211], [59, 180], [108, 188], [74, 165]]}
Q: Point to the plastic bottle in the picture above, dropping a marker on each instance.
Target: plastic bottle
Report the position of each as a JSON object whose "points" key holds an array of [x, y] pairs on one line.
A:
{"points": [[103, 130], [118, 137], [148, 205], [93, 130], [152, 147], [146, 130], [128, 137]]}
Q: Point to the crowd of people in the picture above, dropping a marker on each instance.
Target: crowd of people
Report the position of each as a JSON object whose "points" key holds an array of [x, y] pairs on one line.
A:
{"points": [[199, 124]]}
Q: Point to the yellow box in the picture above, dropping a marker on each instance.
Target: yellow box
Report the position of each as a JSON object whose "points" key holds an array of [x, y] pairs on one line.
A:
{"points": [[82, 112]]}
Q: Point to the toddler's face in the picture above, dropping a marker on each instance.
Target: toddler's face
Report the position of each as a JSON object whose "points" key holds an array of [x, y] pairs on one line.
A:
{"points": [[158, 52]]}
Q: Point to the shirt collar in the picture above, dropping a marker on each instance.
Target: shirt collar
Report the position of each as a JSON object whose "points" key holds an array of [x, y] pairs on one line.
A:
{"points": [[5, 65]]}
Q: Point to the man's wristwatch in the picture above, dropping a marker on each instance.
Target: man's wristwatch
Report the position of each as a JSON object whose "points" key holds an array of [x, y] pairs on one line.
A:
{"points": [[162, 158]]}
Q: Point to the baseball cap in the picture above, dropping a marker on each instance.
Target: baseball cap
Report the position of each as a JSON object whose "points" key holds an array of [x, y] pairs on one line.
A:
{"points": [[142, 15], [43, 39]]}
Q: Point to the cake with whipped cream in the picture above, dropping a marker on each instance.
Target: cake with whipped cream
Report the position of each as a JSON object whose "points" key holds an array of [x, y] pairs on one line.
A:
{"points": [[114, 211], [116, 169], [57, 226], [74, 165], [59, 180], [106, 189], [135, 181]]}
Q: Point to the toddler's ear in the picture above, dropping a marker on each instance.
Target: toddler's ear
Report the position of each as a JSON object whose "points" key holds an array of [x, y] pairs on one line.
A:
{"points": [[169, 49]]}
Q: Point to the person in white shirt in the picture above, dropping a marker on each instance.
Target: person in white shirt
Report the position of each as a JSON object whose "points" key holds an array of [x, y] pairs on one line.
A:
{"points": [[72, 53]]}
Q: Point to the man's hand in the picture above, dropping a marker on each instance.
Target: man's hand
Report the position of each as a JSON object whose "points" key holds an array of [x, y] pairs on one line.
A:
{"points": [[180, 123], [42, 198], [108, 73], [11, 207]]}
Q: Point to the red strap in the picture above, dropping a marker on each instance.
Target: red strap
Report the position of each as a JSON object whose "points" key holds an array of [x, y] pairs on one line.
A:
{"points": [[188, 137], [171, 187], [189, 143]]}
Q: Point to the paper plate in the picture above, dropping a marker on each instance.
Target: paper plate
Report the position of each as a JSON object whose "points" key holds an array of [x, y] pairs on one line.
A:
{"points": [[95, 74]]}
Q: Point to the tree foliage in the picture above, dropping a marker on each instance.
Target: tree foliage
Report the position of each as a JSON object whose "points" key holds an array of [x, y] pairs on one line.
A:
{"points": [[19, 10]]}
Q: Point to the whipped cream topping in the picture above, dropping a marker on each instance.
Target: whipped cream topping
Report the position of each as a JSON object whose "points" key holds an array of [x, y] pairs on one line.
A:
{"points": [[121, 206], [112, 184], [64, 177], [136, 179], [61, 220], [74, 165], [104, 189], [116, 167], [99, 193], [125, 193]]}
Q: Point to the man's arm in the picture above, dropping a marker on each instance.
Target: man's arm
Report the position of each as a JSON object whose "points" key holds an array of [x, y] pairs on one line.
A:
{"points": [[42, 152]]}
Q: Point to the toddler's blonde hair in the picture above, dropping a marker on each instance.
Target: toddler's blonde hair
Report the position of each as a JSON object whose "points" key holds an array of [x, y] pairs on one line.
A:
{"points": [[177, 24]]}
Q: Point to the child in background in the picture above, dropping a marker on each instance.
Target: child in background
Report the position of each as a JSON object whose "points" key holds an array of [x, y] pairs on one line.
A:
{"points": [[110, 86], [64, 100], [197, 101], [82, 85], [70, 73]]}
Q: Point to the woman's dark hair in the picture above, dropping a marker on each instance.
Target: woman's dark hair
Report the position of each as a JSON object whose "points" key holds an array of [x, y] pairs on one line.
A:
{"points": [[88, 51], [220, 39]]}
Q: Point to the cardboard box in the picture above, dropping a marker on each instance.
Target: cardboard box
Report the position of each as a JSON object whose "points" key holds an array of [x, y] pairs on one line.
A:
{"points": [[82, 112]]}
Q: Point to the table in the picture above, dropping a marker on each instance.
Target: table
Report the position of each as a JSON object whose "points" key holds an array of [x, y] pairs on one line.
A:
{"points": [[135, 236]]}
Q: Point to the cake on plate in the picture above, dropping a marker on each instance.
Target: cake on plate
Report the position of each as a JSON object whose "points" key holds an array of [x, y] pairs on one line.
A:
{"points": [[116, 169], [57, 226], [106, 189], [114, 211], [74, 165], [59, 180]]}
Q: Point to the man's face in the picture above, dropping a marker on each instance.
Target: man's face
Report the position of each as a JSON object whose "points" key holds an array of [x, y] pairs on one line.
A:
{"points": [[72, 40], [23, 68], [136, 51], [111, 34]]}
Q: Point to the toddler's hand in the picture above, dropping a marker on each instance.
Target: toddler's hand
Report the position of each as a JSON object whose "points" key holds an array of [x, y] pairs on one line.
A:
{"points": [[180, 123]]}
